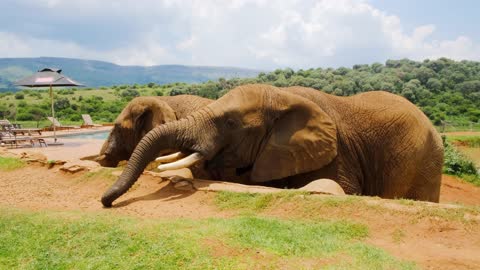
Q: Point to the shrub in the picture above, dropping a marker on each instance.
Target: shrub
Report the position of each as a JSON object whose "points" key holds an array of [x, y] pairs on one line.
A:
{"points": [[19, 96], [456, 163]]}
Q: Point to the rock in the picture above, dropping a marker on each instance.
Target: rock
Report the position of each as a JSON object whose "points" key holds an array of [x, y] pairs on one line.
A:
{"points": [[33, 157], [323, 186], [184, 184], [52, 163], [79, 165]]}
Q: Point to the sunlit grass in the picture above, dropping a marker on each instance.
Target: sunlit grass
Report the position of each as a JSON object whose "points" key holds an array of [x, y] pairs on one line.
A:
{"points": [[70, 240], [9, 163]]}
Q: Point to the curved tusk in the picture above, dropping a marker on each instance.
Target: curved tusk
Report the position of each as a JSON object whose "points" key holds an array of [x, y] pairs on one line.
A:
{"points": [[182, 163], [170, 158], [102, 157]]}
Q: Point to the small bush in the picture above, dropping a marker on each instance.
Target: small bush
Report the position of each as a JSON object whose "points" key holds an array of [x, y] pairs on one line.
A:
{"points": [[456, 163], [19, 96]]}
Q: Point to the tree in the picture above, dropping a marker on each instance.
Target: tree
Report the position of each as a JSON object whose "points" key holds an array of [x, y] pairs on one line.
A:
{"points": [[151, 85], [61, 104], [423, 74], [377, 67], [37, 114], [129, 94], [435, 85], [468, 87]]}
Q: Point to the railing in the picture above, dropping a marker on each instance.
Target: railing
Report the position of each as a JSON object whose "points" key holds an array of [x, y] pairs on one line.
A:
{"points": [[458, 127]]}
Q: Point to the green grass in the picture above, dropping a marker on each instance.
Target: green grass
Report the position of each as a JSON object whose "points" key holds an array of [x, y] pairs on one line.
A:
{"points": [[105, 174], [253, 201], [45, 123], [458, 164], [9, 163], [107, 95], [470, 141], [473, 179], [312, 207], [69, 240]]}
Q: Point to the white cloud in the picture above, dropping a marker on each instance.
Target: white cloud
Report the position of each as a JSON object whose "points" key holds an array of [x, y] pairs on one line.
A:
{"points": [[248, 33], [146, 52], [186, 44]]}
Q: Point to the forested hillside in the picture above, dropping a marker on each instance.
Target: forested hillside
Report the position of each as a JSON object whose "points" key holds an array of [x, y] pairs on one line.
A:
{"points": [[444, 89]]}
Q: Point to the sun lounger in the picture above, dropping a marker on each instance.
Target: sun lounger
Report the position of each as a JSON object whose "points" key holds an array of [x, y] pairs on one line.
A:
{"points": [[26, 131], [16, 129], [13, 140], [59, 126], [88, 122]]}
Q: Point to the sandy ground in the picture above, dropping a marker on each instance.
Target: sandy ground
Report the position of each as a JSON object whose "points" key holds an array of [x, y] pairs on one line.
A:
{"points": [[433, 243]]}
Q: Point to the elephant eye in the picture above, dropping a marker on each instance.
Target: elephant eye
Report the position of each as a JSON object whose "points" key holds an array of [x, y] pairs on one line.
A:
{"points": [[231, 123]]}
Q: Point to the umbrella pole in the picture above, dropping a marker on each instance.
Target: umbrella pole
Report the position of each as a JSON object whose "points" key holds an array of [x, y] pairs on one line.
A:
{"points": [[53, 115]]}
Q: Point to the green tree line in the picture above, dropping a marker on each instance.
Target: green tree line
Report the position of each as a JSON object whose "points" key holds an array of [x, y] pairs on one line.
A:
{"points": [[444, 89]]}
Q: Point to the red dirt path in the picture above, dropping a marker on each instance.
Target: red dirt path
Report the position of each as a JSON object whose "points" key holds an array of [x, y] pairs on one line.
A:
{"points": [[432, 243]]}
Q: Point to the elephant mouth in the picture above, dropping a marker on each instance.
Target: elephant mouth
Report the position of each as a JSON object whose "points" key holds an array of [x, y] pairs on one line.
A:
{"points": [[106, 160], [243, 170]]}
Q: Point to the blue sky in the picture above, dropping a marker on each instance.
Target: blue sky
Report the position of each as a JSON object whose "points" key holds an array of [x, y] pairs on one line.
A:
{"points": [[262, 34]]}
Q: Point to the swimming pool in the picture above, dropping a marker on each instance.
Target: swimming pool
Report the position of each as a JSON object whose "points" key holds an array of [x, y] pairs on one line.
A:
{"points": [[102, 135]]}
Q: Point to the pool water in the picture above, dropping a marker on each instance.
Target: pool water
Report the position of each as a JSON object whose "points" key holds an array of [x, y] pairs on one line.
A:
{"points": [[97, 135]]}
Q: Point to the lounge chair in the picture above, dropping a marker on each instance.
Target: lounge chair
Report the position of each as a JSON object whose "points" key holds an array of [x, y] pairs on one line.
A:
{"points": [[88, 122], [7, 138], [6, 126], [59, 126]]}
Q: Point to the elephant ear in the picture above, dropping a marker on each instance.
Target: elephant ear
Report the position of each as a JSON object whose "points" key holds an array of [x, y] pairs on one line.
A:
{"points": [[149, 113], [303, 138]]}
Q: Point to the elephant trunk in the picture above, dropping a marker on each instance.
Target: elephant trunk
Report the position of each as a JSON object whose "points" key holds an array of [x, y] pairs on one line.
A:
{"points": [[172, 135]]}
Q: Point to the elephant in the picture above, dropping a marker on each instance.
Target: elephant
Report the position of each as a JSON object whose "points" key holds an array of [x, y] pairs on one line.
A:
{"points": [[140, 116], [373, 143]]}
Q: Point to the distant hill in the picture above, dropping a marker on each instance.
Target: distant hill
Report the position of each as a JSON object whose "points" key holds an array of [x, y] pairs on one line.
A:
{"points": [[98, 73]]}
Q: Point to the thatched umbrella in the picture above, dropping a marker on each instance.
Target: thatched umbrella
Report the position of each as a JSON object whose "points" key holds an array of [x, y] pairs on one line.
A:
{"points": [[48, 77]]}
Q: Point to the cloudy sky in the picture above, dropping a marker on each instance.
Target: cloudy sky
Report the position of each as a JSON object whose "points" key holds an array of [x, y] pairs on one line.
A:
{"points": [[260, 34]]}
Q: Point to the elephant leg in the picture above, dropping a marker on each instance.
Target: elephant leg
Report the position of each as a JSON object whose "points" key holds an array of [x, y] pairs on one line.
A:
{"points": [[426, 190], [411, 182]]}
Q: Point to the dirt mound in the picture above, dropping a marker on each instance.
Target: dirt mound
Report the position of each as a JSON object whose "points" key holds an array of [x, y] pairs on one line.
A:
{"points": [[435, 243], [36, 187], [454, 190]]}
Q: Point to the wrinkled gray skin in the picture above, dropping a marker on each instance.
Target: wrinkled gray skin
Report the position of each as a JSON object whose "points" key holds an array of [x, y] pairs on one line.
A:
{"points": [[373, 143], [140, 116]]}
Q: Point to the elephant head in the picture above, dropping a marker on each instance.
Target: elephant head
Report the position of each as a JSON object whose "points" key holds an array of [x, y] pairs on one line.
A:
{"points": [[140, 116], [262, 129]]}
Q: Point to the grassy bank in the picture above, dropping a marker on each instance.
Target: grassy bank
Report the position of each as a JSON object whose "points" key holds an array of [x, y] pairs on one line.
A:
{"points": [[9, 163], [459, 159], [33, 240]]}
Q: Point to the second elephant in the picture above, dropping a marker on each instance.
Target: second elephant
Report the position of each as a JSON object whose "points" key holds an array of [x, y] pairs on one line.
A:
{"points": [[141, 115]]}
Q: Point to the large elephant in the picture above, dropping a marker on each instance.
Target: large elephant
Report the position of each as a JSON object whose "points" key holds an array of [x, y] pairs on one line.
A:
{"points": [[140, 116], [373, 143]]}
